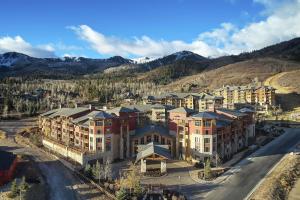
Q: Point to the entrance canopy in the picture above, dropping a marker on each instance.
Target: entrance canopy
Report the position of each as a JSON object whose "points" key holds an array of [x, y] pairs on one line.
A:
{"points": [[153, 151]]}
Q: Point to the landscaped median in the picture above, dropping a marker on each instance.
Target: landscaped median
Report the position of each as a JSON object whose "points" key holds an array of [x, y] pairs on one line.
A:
{"points": [[280, 181]]}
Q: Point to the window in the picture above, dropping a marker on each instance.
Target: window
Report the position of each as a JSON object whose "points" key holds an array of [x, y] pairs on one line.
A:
{"points": [[163, 140], [99, 132], [206, 132], [156, 138], [207, 123], [169, 142], [107, 143], [142, 141], [91, 131], [197, 123], [149, 139], [108, 123], [99, 123], [91, 139], [99, 140], [206, 140], [206, 149], [197, 131], [136, 142]]}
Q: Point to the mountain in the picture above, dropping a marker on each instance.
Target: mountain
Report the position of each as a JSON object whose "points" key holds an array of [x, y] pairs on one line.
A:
{"points": [[238, 73], [171, 69], [162, 70], [17, 64], [173, 58]]}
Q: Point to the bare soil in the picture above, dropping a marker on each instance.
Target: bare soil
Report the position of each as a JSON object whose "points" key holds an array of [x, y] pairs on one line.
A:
{"points": [[279, 183]]}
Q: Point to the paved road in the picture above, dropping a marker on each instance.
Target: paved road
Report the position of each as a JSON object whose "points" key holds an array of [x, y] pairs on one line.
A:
{"points": [[247, 173], [62, 183]]}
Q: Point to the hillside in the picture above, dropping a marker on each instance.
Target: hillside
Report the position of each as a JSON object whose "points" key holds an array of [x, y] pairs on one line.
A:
{"points": [[159, 71], [238, 73]]}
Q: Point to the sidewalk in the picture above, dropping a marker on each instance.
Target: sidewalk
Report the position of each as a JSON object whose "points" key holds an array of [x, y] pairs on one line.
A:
{"points": [[230, 163]]}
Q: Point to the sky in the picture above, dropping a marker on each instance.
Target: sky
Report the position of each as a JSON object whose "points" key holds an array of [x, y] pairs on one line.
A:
{"points": [[144, 28]]}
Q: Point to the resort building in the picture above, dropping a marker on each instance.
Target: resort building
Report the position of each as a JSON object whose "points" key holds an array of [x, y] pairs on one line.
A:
{"points": [[195, 101], [254, 94], [85, 134]]}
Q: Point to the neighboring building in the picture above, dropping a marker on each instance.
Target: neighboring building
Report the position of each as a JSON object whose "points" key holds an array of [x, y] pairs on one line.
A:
{"points": [[254, 94], [8, 164], [85, 134], [207, 134], [195, 101]]}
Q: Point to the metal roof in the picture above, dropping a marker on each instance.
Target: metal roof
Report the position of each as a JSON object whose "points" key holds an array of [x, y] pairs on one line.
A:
{"points": [[235, 113], [206, 115], [152, 148], [68, 111], [182, 110], [151, 129]]}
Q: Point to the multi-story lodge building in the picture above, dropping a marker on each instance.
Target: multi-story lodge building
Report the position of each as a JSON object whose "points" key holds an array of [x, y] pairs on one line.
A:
{"points": [[85, 134], [195, 101], [254, 94]]}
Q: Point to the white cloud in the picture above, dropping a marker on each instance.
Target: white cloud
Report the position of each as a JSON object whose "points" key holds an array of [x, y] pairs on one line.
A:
{"points": [[18, 44], [282, 23], [139, 46]]}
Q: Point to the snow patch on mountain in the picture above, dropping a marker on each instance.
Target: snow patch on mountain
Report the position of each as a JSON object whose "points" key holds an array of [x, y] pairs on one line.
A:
{"points": [[143, 60]]}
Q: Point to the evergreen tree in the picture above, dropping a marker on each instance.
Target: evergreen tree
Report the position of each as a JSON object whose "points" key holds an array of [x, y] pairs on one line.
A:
{"points": [[88, 170], [207, 170], [122, 194], [14, 188], [24, 185]]}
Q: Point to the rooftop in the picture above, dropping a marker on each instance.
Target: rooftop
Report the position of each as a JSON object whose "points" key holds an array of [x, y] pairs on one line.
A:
{"points": [[182, 110], [153, 149], [151, 129]]}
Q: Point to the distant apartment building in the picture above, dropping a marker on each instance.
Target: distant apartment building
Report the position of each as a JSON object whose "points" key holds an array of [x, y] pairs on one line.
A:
{"points": [[195, 101], [85, 134], [263, 96]]}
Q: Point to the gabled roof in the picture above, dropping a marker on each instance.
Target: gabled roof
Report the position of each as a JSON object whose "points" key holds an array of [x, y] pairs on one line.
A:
{"points": [[67, 112], [97, 114], [235, 113], [182, 110], [152, 148], [206, 115], [120, 109], [150, 129], [222, 123], [101, 115]]}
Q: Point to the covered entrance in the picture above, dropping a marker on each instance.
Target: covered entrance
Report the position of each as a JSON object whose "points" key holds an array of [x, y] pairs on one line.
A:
{"points": [[153, 152]]}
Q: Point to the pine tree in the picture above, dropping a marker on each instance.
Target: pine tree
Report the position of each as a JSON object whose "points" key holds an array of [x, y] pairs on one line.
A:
{"points": [[88, 170], [14, 188], [122, 194], [108, 170], [207, 170], [24, 185]]}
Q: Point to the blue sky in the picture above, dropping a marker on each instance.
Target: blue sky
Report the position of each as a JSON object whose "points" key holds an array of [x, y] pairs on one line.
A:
{"points": [[138, 28]]}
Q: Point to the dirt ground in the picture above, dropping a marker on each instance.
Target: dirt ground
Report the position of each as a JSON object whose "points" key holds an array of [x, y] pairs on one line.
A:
{"points": [[279, 183]]}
